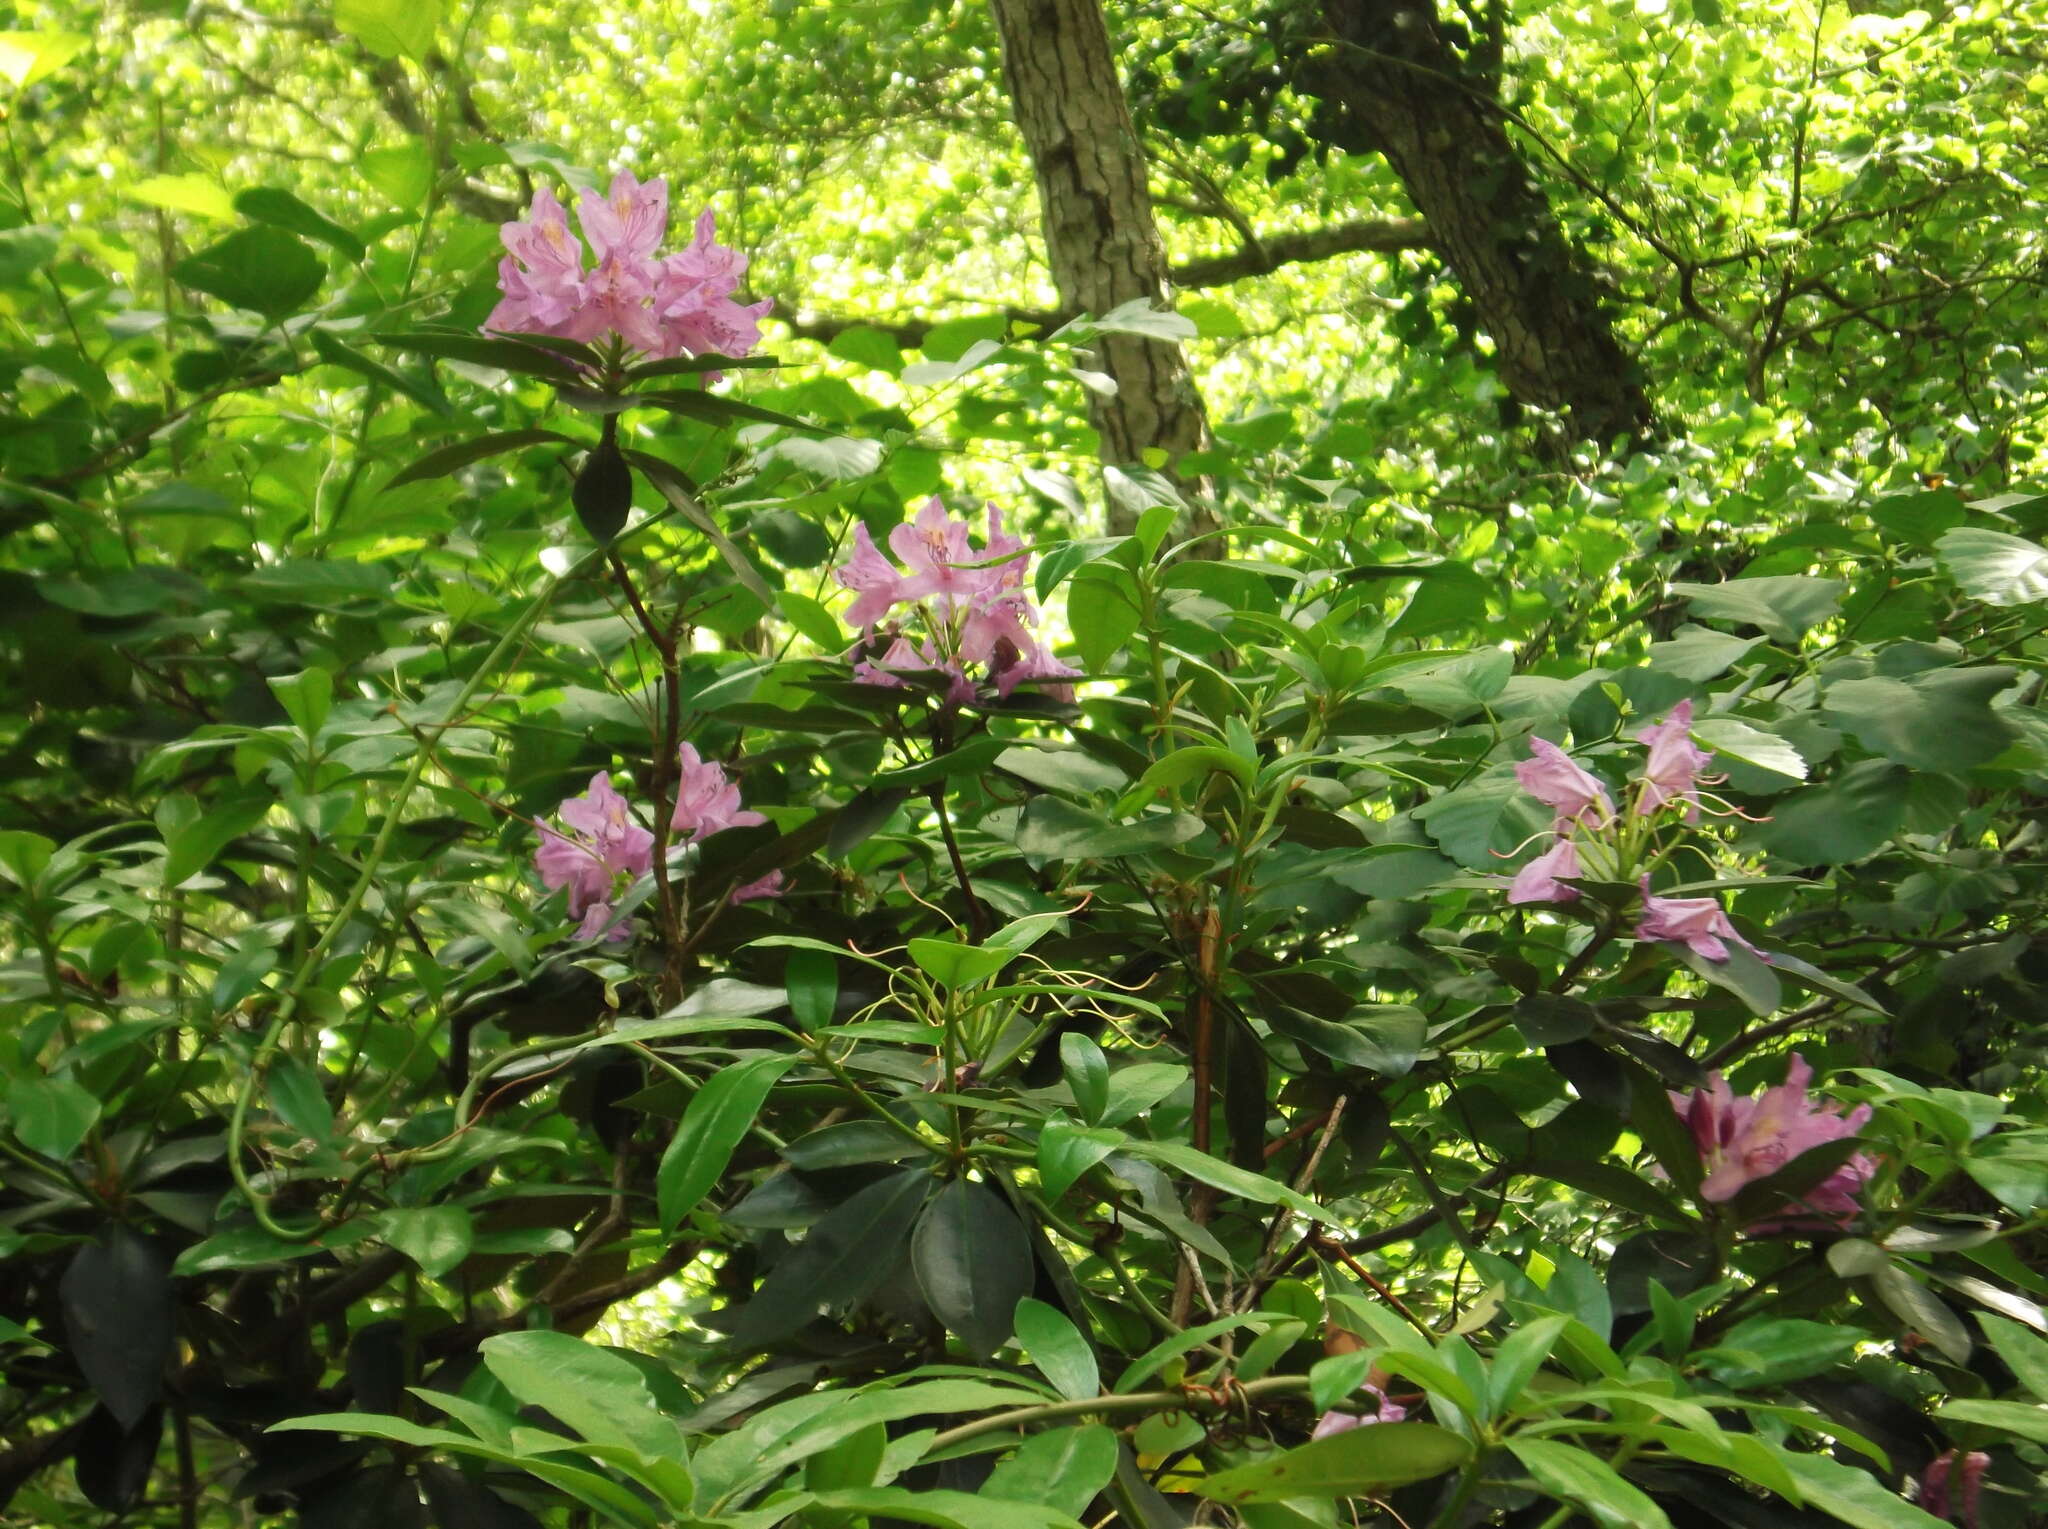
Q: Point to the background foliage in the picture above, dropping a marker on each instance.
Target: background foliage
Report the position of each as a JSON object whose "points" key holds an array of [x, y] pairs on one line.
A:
{"points": [[1117, 1086]]}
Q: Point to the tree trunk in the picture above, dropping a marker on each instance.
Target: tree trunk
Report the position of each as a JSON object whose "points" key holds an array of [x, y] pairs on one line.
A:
{"points": [[1100, 237], [1396, 87]]}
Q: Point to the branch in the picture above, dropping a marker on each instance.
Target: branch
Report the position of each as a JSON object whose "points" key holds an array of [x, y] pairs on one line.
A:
{"points": [[1272, 251]]}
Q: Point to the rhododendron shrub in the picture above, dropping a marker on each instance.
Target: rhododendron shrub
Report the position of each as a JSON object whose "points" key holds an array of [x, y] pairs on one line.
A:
{"points": [[636, 920]]}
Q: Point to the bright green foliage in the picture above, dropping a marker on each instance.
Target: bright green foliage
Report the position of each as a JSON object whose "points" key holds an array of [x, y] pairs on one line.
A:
{"points": [[1085, 1097]]}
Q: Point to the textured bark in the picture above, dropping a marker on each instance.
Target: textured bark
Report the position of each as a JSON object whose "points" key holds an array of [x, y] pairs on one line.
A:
{"points": [[1100, 237], [1398, 88]]}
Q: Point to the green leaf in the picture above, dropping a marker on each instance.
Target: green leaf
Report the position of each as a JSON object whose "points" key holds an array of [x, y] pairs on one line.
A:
{"points": [[264, 270], [13, 1332], [1063, 1468], [269, 204], [1384, 1038], [403, 173], [1741, 972], [25, 251], [1995, 568], [811, 980], [1055, 768], [1066, 1151], [444, 460], [1855, 1497], [27, 57], [307, 697], [1614, 1184], [1846, 819], [1489, 817], [1783, 607], [2023, 1420], [242, 1247], [866, 347], [602, 1396], [1102, 612], [200, 195], [973, 1263], [487, 350], [337, 353], [818, 625], [436, 1237], [299, 1099], [2024, 1354], [955, 965], [1940, 719], [1921, 1310], [1228, 1177], [1750, 745], [943, 1509], [1699, 653], [1054, 829], [1196, 762], [845, 1256], [390, 28], [1773, 1351], [1518, 1358], [1053, 1343], [1087, 1074], [1360, 1462], [50, 1115], [1135, 1089], [717, 1120], [1576, 1476], [1918, 518]]}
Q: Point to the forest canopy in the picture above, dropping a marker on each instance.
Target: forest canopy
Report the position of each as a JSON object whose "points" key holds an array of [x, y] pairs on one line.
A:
{"points": [[1023, 765]]}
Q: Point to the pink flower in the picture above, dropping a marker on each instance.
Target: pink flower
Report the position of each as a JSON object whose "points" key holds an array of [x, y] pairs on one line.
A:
{"points": [[771, 885], [542, 275], [936, 550], [875, 578], [1933, 1495], [1697, 922], [658, 306], [901, 657], [605, 845], [1743, 1140], [626, 224], [1556, 780], [618, 298], [1537, 882], [706, 802], [1334, 1422], [1675, 762], [1040, 666], [694, 299]]}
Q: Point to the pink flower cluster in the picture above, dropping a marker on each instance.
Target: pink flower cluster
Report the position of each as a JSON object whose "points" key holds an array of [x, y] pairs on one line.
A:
{"points": [[1585, 818], [605, 849], [1743, 1140], [971, 601], [658, 305]]}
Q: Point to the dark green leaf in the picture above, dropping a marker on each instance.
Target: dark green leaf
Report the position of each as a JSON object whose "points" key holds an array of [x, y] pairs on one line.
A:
{"points": [[842, 1259], [444, 460], [120, 1319], [973, 1264], [279, 208], [262, 269], [718, 1118]]}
